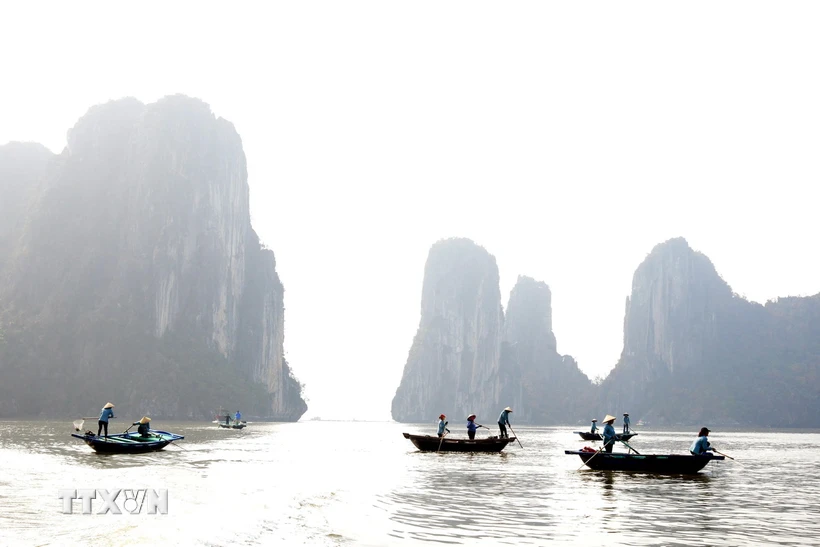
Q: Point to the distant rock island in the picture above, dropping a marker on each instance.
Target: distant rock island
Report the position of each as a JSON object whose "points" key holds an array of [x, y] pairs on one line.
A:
{"points": [[467, 358], [694, 351], [129, 272]]}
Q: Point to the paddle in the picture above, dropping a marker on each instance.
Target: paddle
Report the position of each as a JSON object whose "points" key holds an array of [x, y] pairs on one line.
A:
{"points": [[446, 431], [722, 454], [516, 437], [636, 452], [599, 451]]}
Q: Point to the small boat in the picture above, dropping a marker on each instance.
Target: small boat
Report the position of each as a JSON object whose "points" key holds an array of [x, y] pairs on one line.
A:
{"points": [[667, 464], [226, 421], [426, 443], [129, 443], [232, 424], [587, 436]]}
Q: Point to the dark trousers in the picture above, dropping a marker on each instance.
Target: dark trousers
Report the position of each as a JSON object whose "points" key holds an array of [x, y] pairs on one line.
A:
{"points": [[608, 447], [626, 428], [100, 426], [503, 429], [471, 434]]}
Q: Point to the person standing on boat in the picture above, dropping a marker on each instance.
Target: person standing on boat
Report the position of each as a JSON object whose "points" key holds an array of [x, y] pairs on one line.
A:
{"points": [[442, 426], [144, 426], [227, 418], [626, 422], [237, 416], [701, 445], [105, 414], [504, 421], [472, 426], [609, 433], [594, 428]]}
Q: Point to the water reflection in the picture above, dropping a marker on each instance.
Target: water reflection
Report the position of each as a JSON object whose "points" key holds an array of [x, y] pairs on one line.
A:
{"points": [[293, 490]]}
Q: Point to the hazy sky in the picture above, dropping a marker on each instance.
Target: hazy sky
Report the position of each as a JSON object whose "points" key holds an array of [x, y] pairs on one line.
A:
{"points": [[566, 138]]}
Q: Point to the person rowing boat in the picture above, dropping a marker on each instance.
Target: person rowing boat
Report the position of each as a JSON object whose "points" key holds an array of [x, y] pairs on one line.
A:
{"points": [[105, 414], [609, 433], [701, 445], [442, 426], [472, 426]]}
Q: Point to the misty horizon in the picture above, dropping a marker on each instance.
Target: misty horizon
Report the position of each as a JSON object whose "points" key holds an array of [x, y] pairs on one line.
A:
{"points": [[382, 145]]}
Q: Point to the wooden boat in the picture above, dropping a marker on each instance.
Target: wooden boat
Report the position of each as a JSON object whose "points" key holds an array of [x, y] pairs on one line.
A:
{"points": [[587, 436], [667, 464], [426, 443], [225, 420], [129, 443], [233, 424]]}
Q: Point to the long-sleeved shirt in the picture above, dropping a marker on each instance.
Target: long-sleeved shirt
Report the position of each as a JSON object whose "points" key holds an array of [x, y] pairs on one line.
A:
{"points": [[700, 446], [238, 416], [504, 417], [594, 428], [626, 421], [441, 427], [471, 425], [609, 434], [143, 429], [105, 414]]}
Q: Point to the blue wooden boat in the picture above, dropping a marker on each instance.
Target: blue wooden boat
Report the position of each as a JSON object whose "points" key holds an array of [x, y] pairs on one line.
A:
{"points": [[666, 464], [129, 443]]}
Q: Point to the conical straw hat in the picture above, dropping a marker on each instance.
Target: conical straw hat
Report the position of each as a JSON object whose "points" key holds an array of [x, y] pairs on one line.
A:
{"points": [[145, 420], [109, 405], [609, 418], [508, 409]]}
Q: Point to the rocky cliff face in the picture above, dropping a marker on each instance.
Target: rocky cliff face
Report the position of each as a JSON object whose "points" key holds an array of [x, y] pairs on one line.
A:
{"points": [[141, 227], [22, 168], [467, 359], [542, 386], [452, 367], [695, 352]]}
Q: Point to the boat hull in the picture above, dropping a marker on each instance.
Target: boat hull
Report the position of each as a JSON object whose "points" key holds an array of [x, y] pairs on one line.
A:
{"points": [[128, 443], [587, 436], [232, 426], [426, 443], [666, 464]]}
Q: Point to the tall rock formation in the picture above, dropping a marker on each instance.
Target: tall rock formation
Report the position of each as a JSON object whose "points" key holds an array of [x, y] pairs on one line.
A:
{"points": [[542, 386], [22, 168], [695, 352], [467, 358], [138, 272], [453, 362]]}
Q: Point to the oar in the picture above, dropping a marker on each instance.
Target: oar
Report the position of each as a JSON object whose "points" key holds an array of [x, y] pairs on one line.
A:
{"points": [[516, 437], [442, 440], [636, 452], [722, 454], [599, 451]]}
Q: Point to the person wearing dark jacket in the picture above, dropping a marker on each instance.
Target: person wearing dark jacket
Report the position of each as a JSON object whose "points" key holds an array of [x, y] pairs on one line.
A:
{"points": [[472, 426], [144, 426]]}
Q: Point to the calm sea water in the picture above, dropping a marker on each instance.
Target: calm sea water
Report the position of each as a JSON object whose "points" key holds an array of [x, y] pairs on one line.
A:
{"points": [[345, 483]]}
